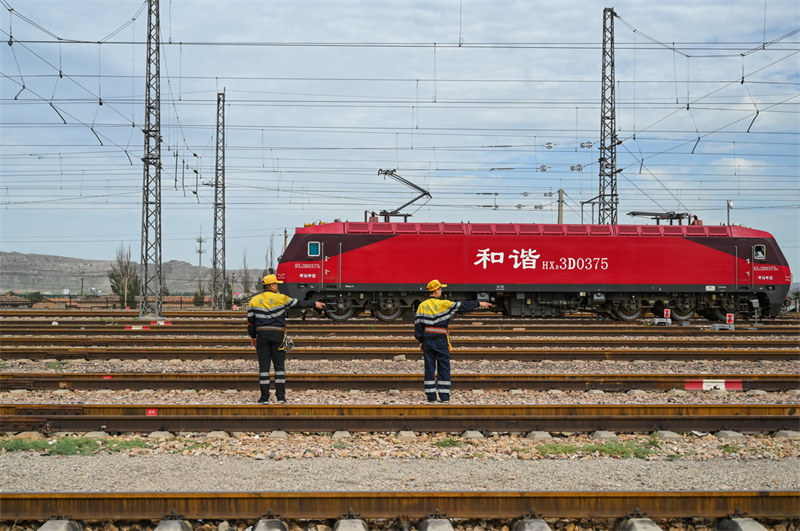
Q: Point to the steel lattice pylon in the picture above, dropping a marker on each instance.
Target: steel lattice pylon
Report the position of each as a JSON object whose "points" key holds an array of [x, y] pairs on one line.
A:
{"points": [[607, 196], [218, 282], [152, 279]]}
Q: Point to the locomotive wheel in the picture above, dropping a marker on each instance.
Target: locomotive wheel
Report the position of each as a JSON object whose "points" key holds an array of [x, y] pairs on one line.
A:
{"points": [[716, 313], [629, 311], [339, 314], [390, 315], [682, 312]]}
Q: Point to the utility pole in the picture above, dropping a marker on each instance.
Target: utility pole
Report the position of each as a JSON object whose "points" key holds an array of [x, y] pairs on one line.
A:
{"points": [[560, 206], [200, 252], [608, 198], [218, 281], [152, 278]]}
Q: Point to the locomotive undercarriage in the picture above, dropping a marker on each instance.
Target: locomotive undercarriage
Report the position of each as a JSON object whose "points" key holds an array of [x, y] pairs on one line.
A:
{"points": [[539, 304], [624, 306], [682, 306], [389, 306], [382, 306]]}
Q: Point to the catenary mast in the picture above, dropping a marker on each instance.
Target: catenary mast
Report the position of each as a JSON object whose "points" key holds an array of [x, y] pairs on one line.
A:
{"points": [[607, 197], [152, 278], [218, 281]]}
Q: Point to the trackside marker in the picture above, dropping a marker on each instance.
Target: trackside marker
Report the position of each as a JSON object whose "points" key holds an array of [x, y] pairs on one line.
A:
{"points": [[161, 323], [137, 327], [151, 412], [708, 385]]}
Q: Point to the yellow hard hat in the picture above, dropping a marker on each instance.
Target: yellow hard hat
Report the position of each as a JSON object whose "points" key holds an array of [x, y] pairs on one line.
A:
{"points": [[271, 279], [434, 284]]}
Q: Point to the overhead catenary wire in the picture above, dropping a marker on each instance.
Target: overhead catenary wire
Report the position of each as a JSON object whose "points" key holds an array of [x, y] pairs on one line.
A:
{"points": [[430, 145]]}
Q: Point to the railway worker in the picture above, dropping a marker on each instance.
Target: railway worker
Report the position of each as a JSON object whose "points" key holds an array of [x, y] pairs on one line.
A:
{"points": [[266, 325], [430, 329]]}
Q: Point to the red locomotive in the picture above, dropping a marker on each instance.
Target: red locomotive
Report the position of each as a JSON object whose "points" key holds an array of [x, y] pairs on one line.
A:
{"points": [[536, 270]]}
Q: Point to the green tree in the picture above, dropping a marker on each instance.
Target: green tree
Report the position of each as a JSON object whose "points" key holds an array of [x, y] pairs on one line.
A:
{"points": [[200, 296], [124, 278], [227, 295], [246, 288], [35, 297]]}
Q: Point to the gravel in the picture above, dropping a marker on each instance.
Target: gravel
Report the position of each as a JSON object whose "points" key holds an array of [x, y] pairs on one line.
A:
{"points": [[122, 472], [400, 397], [248, 364]]}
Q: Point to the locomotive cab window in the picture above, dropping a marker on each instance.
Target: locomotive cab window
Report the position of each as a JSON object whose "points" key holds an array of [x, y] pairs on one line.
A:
{"points": [[314, 249], [760, 252]]}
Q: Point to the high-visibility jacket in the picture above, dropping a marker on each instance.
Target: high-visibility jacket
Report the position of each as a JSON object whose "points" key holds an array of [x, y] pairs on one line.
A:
{"points": [[269, 309], [435, 315]]}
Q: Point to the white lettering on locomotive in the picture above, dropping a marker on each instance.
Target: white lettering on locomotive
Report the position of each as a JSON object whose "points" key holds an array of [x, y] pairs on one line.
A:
{"points": [[524, 258], [529, 258], [765, 268], [485, 256]]}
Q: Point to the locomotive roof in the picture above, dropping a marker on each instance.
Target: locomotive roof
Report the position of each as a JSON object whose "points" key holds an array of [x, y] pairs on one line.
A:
{"points": [[355, 227]]}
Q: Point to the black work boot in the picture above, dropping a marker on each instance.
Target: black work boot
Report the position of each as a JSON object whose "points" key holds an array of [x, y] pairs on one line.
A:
{"points": [[264, 394]]}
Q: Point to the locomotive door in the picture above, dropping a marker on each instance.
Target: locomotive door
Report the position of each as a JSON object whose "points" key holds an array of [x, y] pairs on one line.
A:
{"points": [[743, 271], [331, 266]]}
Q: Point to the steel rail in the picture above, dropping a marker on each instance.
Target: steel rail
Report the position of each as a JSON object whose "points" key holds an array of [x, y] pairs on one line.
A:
{"points": [[238, 314], [420, 504], [383, 382], [230, 315], [244, 351], [239, 330], [239, 317], [385, 342], [381, 418]]}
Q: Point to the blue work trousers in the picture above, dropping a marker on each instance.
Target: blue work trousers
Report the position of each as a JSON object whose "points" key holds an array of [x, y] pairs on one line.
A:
{"points": [[267, 344], [436, 349]]}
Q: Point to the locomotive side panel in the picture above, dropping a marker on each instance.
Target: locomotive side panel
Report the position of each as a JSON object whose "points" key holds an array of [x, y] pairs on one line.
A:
{"points": [[545, 261]]}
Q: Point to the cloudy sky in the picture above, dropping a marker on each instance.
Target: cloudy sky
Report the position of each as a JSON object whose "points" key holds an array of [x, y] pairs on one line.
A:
{"points": [[491, 106]]}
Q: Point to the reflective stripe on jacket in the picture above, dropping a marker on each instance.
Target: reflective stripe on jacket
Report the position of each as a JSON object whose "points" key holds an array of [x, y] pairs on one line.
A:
{"points": [[437, 313], [269, 309]]}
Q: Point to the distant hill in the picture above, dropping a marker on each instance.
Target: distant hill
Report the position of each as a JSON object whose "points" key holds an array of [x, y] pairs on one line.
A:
{"points": [[54, 274]]}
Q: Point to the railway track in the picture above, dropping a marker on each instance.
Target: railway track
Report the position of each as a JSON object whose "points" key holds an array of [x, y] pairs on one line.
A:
{"points": [[238, 330], [635, 418], [401, 505], [238, 315], [385, 382], [221, 335], [165, 351], [315, 341]]}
